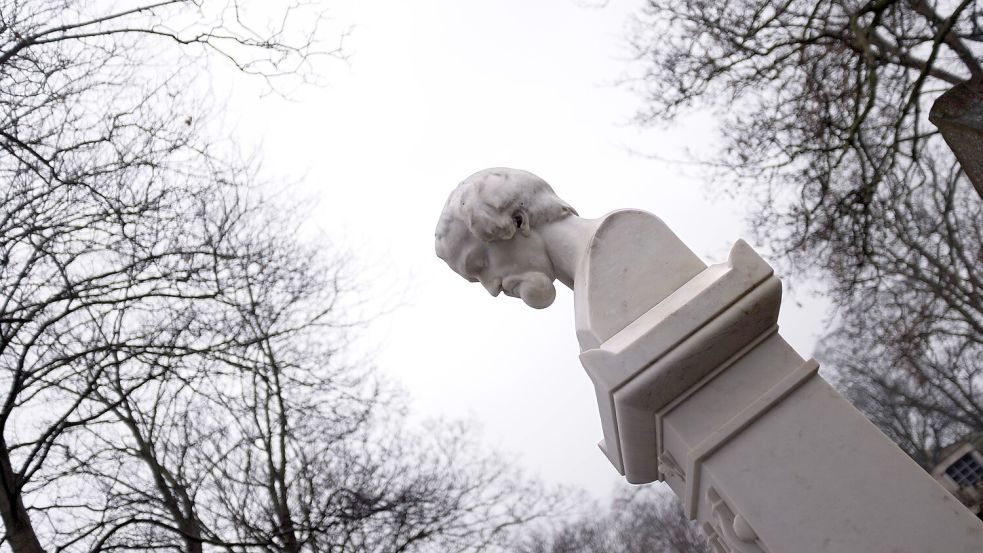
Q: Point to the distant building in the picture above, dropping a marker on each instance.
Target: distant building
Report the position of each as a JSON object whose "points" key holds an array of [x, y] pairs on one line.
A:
{"points": [[961, 472]]}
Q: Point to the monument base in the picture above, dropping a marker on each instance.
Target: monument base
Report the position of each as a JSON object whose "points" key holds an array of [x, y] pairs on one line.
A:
{"points": [[699, 390]]}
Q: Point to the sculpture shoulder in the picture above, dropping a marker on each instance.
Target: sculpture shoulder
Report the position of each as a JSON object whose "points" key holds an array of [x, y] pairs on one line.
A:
{"points": [[633, 262], [623, 223]]}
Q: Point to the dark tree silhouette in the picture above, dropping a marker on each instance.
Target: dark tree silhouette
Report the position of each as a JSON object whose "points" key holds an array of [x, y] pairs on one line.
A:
{"points": [[910, 342], [824, 113], [174, 371]]}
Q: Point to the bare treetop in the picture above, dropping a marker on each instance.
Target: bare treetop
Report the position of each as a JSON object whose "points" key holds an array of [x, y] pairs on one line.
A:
{"points": [[824, 105], [174, 363]]}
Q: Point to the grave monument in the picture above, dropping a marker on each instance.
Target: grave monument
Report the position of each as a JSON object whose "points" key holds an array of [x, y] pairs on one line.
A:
{"points": [[694, 384]]}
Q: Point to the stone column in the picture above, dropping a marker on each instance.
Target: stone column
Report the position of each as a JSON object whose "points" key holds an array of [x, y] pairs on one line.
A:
{"points": [[697, 388], [694, 384]]}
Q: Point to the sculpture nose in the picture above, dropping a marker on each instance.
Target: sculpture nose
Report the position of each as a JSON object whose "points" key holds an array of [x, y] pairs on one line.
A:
{"points": [[493, 285]]}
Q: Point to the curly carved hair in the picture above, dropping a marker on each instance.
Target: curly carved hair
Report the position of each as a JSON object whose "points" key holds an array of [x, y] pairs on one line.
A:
{"points": [[487, 202]]}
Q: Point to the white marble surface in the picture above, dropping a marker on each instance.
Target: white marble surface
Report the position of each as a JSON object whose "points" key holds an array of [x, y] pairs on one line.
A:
{"points": [[430, 94], [701, 391], [695, 387]]}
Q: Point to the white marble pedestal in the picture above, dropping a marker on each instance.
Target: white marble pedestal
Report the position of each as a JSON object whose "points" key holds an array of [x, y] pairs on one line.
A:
{"points": [[696, 387]]}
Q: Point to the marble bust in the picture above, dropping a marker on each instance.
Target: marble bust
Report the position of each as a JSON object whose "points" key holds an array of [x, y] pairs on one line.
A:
{"points": [[695, 385], [508, 230]]}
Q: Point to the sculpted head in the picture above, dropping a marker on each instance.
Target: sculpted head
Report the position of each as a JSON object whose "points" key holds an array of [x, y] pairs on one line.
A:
{"points": [[488, 233]]}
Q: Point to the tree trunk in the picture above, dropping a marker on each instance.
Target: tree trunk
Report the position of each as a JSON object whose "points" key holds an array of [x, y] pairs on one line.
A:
{"points": [[20, 535]]}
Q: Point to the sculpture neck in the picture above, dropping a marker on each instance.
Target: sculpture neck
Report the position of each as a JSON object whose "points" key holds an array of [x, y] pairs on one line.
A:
{"points": [[566, 244]]}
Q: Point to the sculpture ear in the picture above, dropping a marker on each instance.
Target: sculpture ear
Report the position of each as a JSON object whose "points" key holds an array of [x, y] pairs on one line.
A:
{"points": [[521, 220]]}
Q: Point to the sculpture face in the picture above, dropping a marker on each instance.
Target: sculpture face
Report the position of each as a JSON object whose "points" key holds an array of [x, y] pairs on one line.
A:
{"points": [[519, 266], [491, 231]]}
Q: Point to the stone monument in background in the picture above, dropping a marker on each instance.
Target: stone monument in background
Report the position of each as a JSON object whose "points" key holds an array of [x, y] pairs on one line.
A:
{"points": [[695, 386]]}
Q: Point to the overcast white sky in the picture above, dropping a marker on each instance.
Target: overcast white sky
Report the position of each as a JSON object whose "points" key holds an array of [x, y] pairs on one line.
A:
{"points": [[437, 90]]}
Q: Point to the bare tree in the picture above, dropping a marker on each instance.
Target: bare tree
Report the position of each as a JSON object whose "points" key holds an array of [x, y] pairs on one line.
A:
{"points": [[910, 343], [109, 235], [640, 520], [825, 126], [173, 367], [824, 101]]}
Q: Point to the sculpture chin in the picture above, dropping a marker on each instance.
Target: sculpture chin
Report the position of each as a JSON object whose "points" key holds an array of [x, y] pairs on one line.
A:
{"points": [[536, 289]]}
